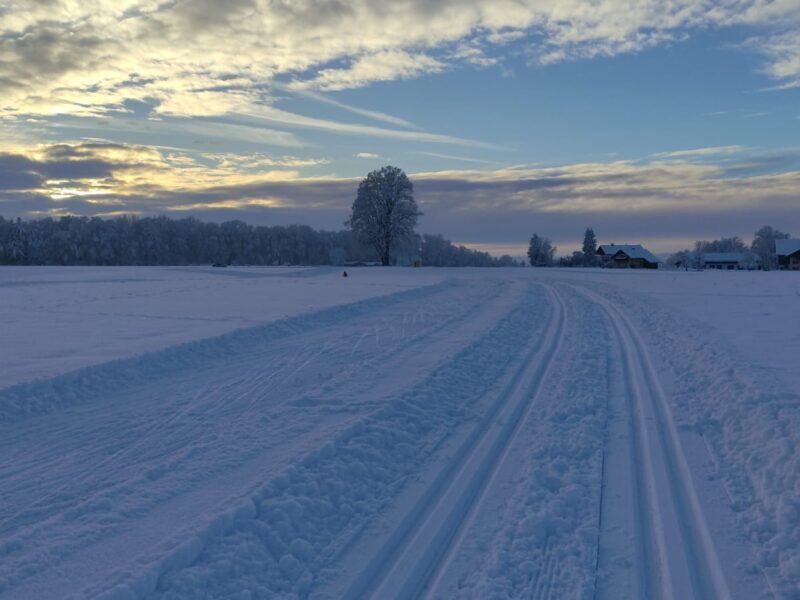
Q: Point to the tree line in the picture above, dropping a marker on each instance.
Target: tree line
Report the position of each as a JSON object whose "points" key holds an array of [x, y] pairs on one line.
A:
{"points": [[130, 240]]}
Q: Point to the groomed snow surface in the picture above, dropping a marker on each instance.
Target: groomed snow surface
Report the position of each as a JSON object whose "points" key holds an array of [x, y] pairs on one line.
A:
{"points": [[400, 433]]}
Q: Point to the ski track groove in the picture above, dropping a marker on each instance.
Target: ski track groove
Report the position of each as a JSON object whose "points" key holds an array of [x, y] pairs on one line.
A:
{"points": [[646, 396], [526, 383]]}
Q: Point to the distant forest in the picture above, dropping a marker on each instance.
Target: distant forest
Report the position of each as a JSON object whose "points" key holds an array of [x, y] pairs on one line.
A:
{"points": [[132, 240]]}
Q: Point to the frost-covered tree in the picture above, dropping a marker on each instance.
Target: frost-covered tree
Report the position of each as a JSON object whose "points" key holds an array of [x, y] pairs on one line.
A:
{"points": [[682, 260], [506, 261], [540, 251], [436, 251], [384, 212], [589, 248], [164, 241], [17, 247], [764, 245], [749, 261], [731, 244]]}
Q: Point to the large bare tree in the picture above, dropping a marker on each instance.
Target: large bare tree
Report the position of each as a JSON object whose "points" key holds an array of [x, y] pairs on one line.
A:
{"points": [[384, 212]]}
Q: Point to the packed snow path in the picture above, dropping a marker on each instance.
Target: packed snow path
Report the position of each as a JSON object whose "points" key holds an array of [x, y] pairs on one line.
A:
{"points": [[501, 436]]}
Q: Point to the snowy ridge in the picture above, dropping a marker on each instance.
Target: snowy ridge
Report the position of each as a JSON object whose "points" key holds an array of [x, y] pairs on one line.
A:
{"points": [[42, 396], [304, 519]]}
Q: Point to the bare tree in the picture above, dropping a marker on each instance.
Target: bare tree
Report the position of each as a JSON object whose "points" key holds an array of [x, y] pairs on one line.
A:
{"points": [[384, 212]]}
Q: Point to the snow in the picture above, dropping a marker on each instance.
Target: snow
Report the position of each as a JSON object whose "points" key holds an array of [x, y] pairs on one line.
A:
{"points": [[91, 314], [443, 433], [787, 247]]}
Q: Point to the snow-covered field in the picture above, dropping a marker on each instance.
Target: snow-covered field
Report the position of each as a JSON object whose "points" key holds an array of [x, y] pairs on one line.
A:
{"points": [[442, 433]]}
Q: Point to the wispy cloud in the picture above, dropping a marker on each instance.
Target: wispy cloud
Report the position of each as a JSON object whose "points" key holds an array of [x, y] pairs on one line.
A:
{"points": [[703, 152], [270, 114], [458, 158], [368, 155], [370, 114]]}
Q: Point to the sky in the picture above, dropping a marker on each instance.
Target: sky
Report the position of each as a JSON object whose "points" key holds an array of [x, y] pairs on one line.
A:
{"points": [[653, 121]]}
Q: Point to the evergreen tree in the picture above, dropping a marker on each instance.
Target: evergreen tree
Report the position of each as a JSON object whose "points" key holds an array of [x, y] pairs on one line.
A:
{"points": [[589, 246]]}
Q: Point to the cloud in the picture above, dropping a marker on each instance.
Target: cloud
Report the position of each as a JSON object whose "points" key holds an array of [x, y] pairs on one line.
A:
{"points": [[370, 114], [386, 65], [369, 155], [458, 158], [203, 57], [703, 152], [271, 115], [631, 201], [782, 52]]}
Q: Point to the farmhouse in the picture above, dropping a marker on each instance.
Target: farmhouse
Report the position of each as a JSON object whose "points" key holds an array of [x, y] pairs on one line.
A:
{"points": [[788, 252], [627, 256], [731, 261]]}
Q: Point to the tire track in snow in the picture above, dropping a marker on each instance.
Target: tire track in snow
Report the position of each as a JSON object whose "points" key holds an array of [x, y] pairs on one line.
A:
{"points": [[680, 559], [419, 549]]}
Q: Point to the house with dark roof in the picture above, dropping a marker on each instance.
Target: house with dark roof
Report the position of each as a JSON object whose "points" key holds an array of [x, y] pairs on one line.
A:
{"points": [[627, 256], [731, 261], [788, 252]]}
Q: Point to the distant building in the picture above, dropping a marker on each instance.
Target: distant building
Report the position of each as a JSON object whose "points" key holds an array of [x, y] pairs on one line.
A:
{"points": [[788, 252], [627, 256], [731, 261]]}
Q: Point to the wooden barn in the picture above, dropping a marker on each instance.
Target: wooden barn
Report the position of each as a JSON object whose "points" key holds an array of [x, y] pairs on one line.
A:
{"points": [[788, 252], [627, 256]]}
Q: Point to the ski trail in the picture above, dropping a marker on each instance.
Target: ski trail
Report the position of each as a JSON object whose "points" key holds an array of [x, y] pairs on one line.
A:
{"points": [[413, 555], [533, 392], [680, 559]]}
